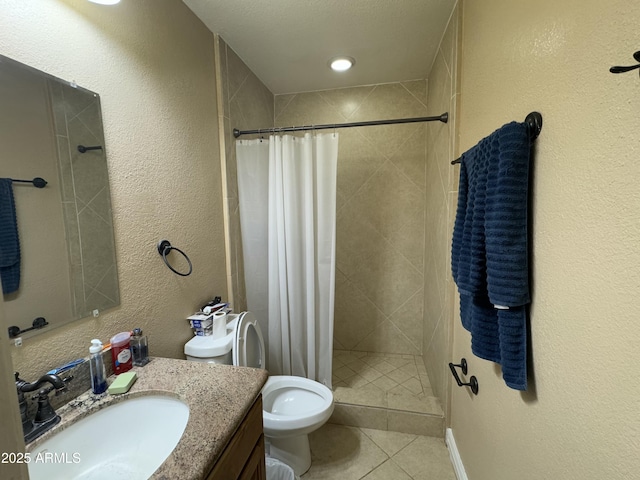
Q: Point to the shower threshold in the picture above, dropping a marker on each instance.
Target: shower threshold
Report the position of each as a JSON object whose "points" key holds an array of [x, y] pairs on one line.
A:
{"points": [[385, 391]]}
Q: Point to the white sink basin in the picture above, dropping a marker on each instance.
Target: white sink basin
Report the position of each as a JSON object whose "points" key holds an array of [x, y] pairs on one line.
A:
{"points": [[128, 440]]}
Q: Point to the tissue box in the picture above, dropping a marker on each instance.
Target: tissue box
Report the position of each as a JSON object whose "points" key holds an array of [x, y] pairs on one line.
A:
{"points": [[203, 332], [201, 321]]}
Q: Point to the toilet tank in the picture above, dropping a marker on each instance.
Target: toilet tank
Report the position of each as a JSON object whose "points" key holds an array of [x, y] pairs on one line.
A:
{"points": [[210, 350], [221, 359]]}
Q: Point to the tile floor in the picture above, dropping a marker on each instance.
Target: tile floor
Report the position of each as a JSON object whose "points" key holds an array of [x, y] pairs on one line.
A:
{"points": [[352, 453], [386, 372], [384, 392]]}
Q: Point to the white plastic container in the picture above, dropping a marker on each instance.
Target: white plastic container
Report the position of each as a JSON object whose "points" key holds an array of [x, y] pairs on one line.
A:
{"points": [[214, 324], [96, 365], [208, 349]]}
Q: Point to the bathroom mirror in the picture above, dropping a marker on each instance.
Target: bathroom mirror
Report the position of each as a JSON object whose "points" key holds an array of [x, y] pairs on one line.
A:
{"points": [[67, 261]]}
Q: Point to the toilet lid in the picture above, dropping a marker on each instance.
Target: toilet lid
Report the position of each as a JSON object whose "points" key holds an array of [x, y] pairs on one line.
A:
{"points": [[248, 344]]}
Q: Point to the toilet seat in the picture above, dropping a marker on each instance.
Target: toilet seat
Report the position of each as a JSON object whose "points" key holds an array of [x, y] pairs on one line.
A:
{"points": [[248, 343]]}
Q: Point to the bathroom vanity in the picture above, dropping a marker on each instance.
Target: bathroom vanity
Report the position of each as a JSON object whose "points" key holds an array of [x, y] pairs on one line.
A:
{"points": [[223, 438], [244, 456]]}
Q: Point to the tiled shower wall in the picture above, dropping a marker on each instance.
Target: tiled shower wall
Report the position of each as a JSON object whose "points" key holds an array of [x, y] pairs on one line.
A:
{"points": [[442, 195], [243, 103], [389, 266], [380, 211]]}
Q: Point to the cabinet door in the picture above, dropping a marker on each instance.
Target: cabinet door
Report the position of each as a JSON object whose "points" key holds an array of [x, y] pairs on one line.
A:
{"points": [[243, 458], [255, 467]]}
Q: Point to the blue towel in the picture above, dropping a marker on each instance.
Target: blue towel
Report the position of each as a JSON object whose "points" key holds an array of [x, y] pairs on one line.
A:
{"points": [[489, 257], [9, 241]]}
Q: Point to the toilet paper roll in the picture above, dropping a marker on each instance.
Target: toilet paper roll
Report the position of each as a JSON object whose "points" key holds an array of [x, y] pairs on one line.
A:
{"points": [[219, 324]]}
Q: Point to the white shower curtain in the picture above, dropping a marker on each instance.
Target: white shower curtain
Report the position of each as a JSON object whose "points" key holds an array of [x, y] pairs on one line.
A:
{"points": [[287, 192]]}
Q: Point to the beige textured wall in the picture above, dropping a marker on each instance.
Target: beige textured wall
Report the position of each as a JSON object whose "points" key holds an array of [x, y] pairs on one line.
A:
{"points": [[152, 62], [441, 200], [380, 211], [580, 419], [246, 104]]}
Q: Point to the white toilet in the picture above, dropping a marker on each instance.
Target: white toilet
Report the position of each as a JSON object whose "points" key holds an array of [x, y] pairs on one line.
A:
{"points": [[292, 406]]}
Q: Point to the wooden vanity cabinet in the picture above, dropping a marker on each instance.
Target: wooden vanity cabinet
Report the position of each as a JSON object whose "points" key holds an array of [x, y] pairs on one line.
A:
{"points": [[243, 458]]}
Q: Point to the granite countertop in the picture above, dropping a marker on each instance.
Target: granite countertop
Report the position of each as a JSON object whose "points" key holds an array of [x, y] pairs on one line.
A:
{"points": [[218, 396]]}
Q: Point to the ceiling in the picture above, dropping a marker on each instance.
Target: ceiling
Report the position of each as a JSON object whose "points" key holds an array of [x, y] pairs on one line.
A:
{"points": [[288, 43]]}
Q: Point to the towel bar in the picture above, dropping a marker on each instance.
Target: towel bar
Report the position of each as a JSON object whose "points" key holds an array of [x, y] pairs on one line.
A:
{"points": [[38, 182], [39, 322], [473, 381], [533, 120]]}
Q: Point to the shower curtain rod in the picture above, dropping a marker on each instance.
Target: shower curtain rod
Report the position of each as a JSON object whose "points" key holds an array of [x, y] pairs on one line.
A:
{"points": [[444, 118]]}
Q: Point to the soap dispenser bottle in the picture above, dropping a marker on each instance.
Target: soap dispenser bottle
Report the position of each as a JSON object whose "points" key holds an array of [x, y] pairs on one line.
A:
{"points": [[96, 365], [139, 348]]}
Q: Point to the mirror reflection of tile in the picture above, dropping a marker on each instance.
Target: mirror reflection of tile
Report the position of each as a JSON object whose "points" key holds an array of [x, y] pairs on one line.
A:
{"points": [[71, 218]]}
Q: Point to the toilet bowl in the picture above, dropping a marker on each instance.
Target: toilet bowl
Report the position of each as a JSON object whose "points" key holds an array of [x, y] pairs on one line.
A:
{"points": [[292, 407]]}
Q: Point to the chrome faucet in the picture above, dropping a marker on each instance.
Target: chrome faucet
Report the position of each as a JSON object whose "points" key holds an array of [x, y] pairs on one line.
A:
{"points": [[46, 416]]}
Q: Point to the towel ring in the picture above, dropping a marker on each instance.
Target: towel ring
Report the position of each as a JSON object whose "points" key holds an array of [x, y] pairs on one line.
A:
{"points": [[164, 248]]}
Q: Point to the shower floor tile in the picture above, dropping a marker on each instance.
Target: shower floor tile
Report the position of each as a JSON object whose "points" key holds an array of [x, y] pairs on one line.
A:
{"points": [[388, 372], [382, 380]]}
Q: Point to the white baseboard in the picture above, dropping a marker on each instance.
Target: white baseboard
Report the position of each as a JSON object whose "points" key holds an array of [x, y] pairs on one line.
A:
{"points": [[456, 461]]}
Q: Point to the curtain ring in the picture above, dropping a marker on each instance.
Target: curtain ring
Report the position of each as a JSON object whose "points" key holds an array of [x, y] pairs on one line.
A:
{"points": [[164, 249]]}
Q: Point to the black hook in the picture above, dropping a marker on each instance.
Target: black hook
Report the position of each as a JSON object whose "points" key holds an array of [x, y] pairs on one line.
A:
{"points": [[82, 148], [619, 69]]}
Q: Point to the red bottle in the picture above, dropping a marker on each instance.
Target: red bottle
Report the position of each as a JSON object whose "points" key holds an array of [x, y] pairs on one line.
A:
{"points": [[121, 352]]}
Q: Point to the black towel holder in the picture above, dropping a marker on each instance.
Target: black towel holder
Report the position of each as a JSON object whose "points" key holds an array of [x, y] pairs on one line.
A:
{"points": [[38, 323], [83, 149], [534, 122], [473, 381], [164, 248], [619, 69], [38, 182]]}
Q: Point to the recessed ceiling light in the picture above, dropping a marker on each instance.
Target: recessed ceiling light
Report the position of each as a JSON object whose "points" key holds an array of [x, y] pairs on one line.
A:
{"points": [[105, 2], [341, 64]]}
